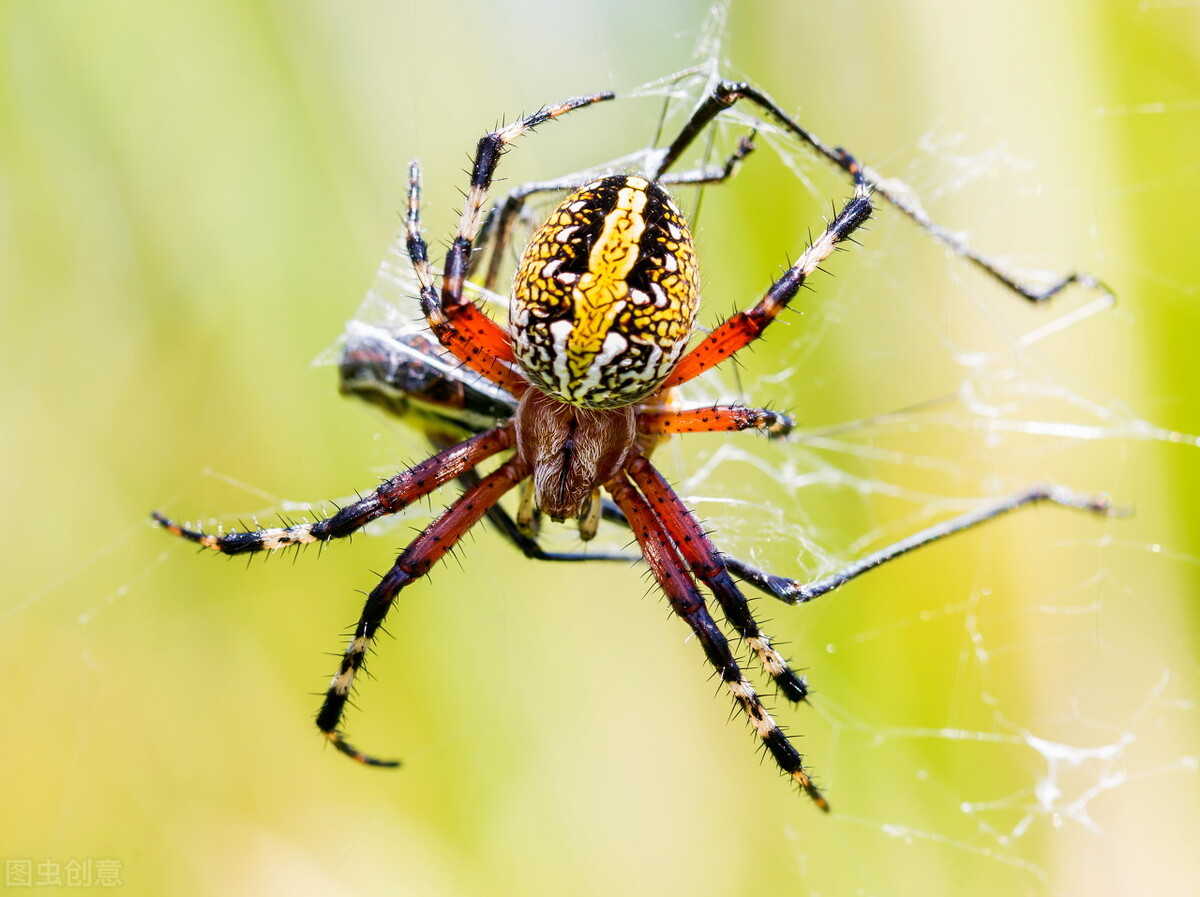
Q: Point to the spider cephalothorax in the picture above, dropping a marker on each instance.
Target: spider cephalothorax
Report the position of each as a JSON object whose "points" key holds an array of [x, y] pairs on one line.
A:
{"points": [[577, 393], [571, 451]]}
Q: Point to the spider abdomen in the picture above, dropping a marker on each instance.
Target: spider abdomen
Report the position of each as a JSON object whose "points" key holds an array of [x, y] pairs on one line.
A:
{"points": [[605, 297]]}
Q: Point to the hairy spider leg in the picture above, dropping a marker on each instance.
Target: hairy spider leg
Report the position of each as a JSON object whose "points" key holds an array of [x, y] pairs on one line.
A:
{"points": [[716, 419], [746, 326], [413, 563], [470, 335], [696, 548], [793, 591], [686, 600], [388, 497], [725, 93]]}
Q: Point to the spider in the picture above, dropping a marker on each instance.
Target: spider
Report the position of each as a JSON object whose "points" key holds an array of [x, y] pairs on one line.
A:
{"points": [[579, 390]]}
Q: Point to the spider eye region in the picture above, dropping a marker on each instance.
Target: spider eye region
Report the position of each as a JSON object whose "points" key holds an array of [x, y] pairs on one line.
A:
{"points": [[605, 297]]}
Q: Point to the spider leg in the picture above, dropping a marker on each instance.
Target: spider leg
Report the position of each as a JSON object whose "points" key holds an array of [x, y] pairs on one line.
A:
{"points": [[709, 174], [413, 563], [472, 337], [725, 93], [741, 569], [527, 545], [685, 599], [446, 407], [389, 497], [746, 326], [793, 591], [707, 564], [462, 328], [498, 226], [716, 419], [496, 232]]}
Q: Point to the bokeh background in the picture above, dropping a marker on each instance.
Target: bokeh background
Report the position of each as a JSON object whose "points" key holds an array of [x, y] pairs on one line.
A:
{"points": [[193, 198]]}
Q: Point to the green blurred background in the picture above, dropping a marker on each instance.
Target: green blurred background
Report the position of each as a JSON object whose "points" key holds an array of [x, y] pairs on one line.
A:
{"points": [[193, 198]]}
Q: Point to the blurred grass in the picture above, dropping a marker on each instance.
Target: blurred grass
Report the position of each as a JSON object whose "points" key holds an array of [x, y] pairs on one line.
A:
{"points": [[192, 200]]}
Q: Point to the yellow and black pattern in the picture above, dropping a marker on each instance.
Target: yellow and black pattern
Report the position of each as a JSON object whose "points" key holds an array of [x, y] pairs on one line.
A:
{"points": [[606, 295]]}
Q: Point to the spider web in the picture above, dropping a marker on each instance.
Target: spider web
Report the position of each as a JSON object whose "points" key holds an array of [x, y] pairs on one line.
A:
{"points": [[1048, 682], [1012, 708]]}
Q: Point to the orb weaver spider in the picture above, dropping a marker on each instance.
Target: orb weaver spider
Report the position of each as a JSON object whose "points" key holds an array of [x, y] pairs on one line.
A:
{"points": [[579, 390]]}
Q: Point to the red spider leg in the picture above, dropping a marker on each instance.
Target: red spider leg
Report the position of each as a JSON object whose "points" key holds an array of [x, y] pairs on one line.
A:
{"points": [[685, 598], [715, 419], [706, 563], [387, 498], [474, 338], [413, 563], [528, 545], [746, 326]]}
